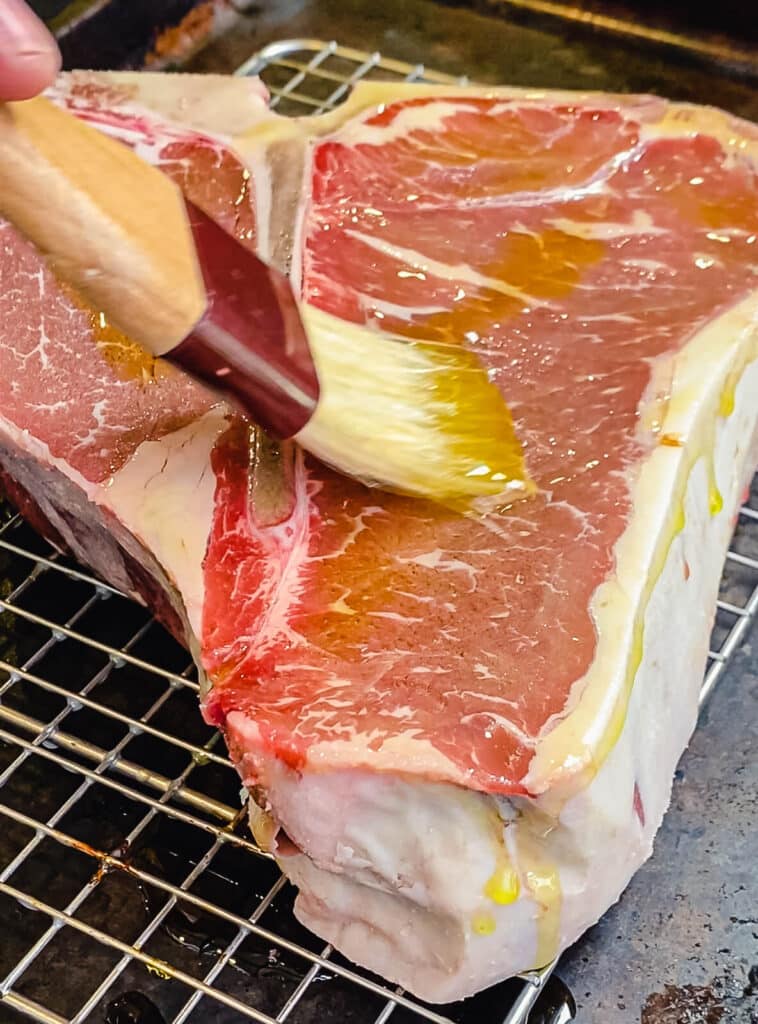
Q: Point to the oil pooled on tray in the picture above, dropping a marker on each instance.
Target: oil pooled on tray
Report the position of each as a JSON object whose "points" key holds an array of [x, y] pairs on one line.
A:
{"points": [[133, 1008]]}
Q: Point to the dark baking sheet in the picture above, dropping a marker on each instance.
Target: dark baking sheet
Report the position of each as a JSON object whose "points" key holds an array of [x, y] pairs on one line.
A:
{"points": [[102, 34], [495, 49]]}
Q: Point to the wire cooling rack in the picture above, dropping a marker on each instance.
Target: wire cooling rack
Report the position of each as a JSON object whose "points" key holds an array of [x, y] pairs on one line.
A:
{"points": [[130, 890]]}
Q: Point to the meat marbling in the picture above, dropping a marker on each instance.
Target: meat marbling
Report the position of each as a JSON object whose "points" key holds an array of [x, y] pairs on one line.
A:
{"points": [[459, 733]]}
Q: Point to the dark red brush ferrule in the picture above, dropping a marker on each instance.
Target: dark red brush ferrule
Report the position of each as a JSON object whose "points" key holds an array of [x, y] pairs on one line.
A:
{"points": [[251, 341]]}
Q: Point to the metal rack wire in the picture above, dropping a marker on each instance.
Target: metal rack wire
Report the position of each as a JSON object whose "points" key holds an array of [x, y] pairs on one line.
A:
{"points": [[129, 887]]}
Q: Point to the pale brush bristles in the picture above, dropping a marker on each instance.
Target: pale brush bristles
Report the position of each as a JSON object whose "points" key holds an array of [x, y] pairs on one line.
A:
{"points": [[414, 417]]}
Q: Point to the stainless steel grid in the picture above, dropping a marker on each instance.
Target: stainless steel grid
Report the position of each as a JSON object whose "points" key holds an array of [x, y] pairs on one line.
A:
{"points": [[125, 864]]}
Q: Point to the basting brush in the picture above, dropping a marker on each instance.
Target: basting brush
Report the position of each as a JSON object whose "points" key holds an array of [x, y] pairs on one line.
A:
{"points": [[415, 417]]}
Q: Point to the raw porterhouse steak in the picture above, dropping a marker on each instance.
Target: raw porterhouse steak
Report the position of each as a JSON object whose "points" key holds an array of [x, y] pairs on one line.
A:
{"points": [[459, 733]]}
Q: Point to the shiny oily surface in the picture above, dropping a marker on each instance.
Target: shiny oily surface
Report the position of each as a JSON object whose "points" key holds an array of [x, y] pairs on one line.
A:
{"points": [[601, 280]]}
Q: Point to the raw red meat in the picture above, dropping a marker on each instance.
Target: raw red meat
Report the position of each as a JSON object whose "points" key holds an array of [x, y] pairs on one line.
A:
{"points": [[470, 634], [406, 690]]}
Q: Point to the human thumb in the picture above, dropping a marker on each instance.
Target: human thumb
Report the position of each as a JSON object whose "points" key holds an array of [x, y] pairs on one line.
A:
{"points": [[29, 57]]}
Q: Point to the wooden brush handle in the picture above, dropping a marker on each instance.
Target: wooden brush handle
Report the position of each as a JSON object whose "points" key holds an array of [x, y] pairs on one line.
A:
{"points": [[109, 224]]}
